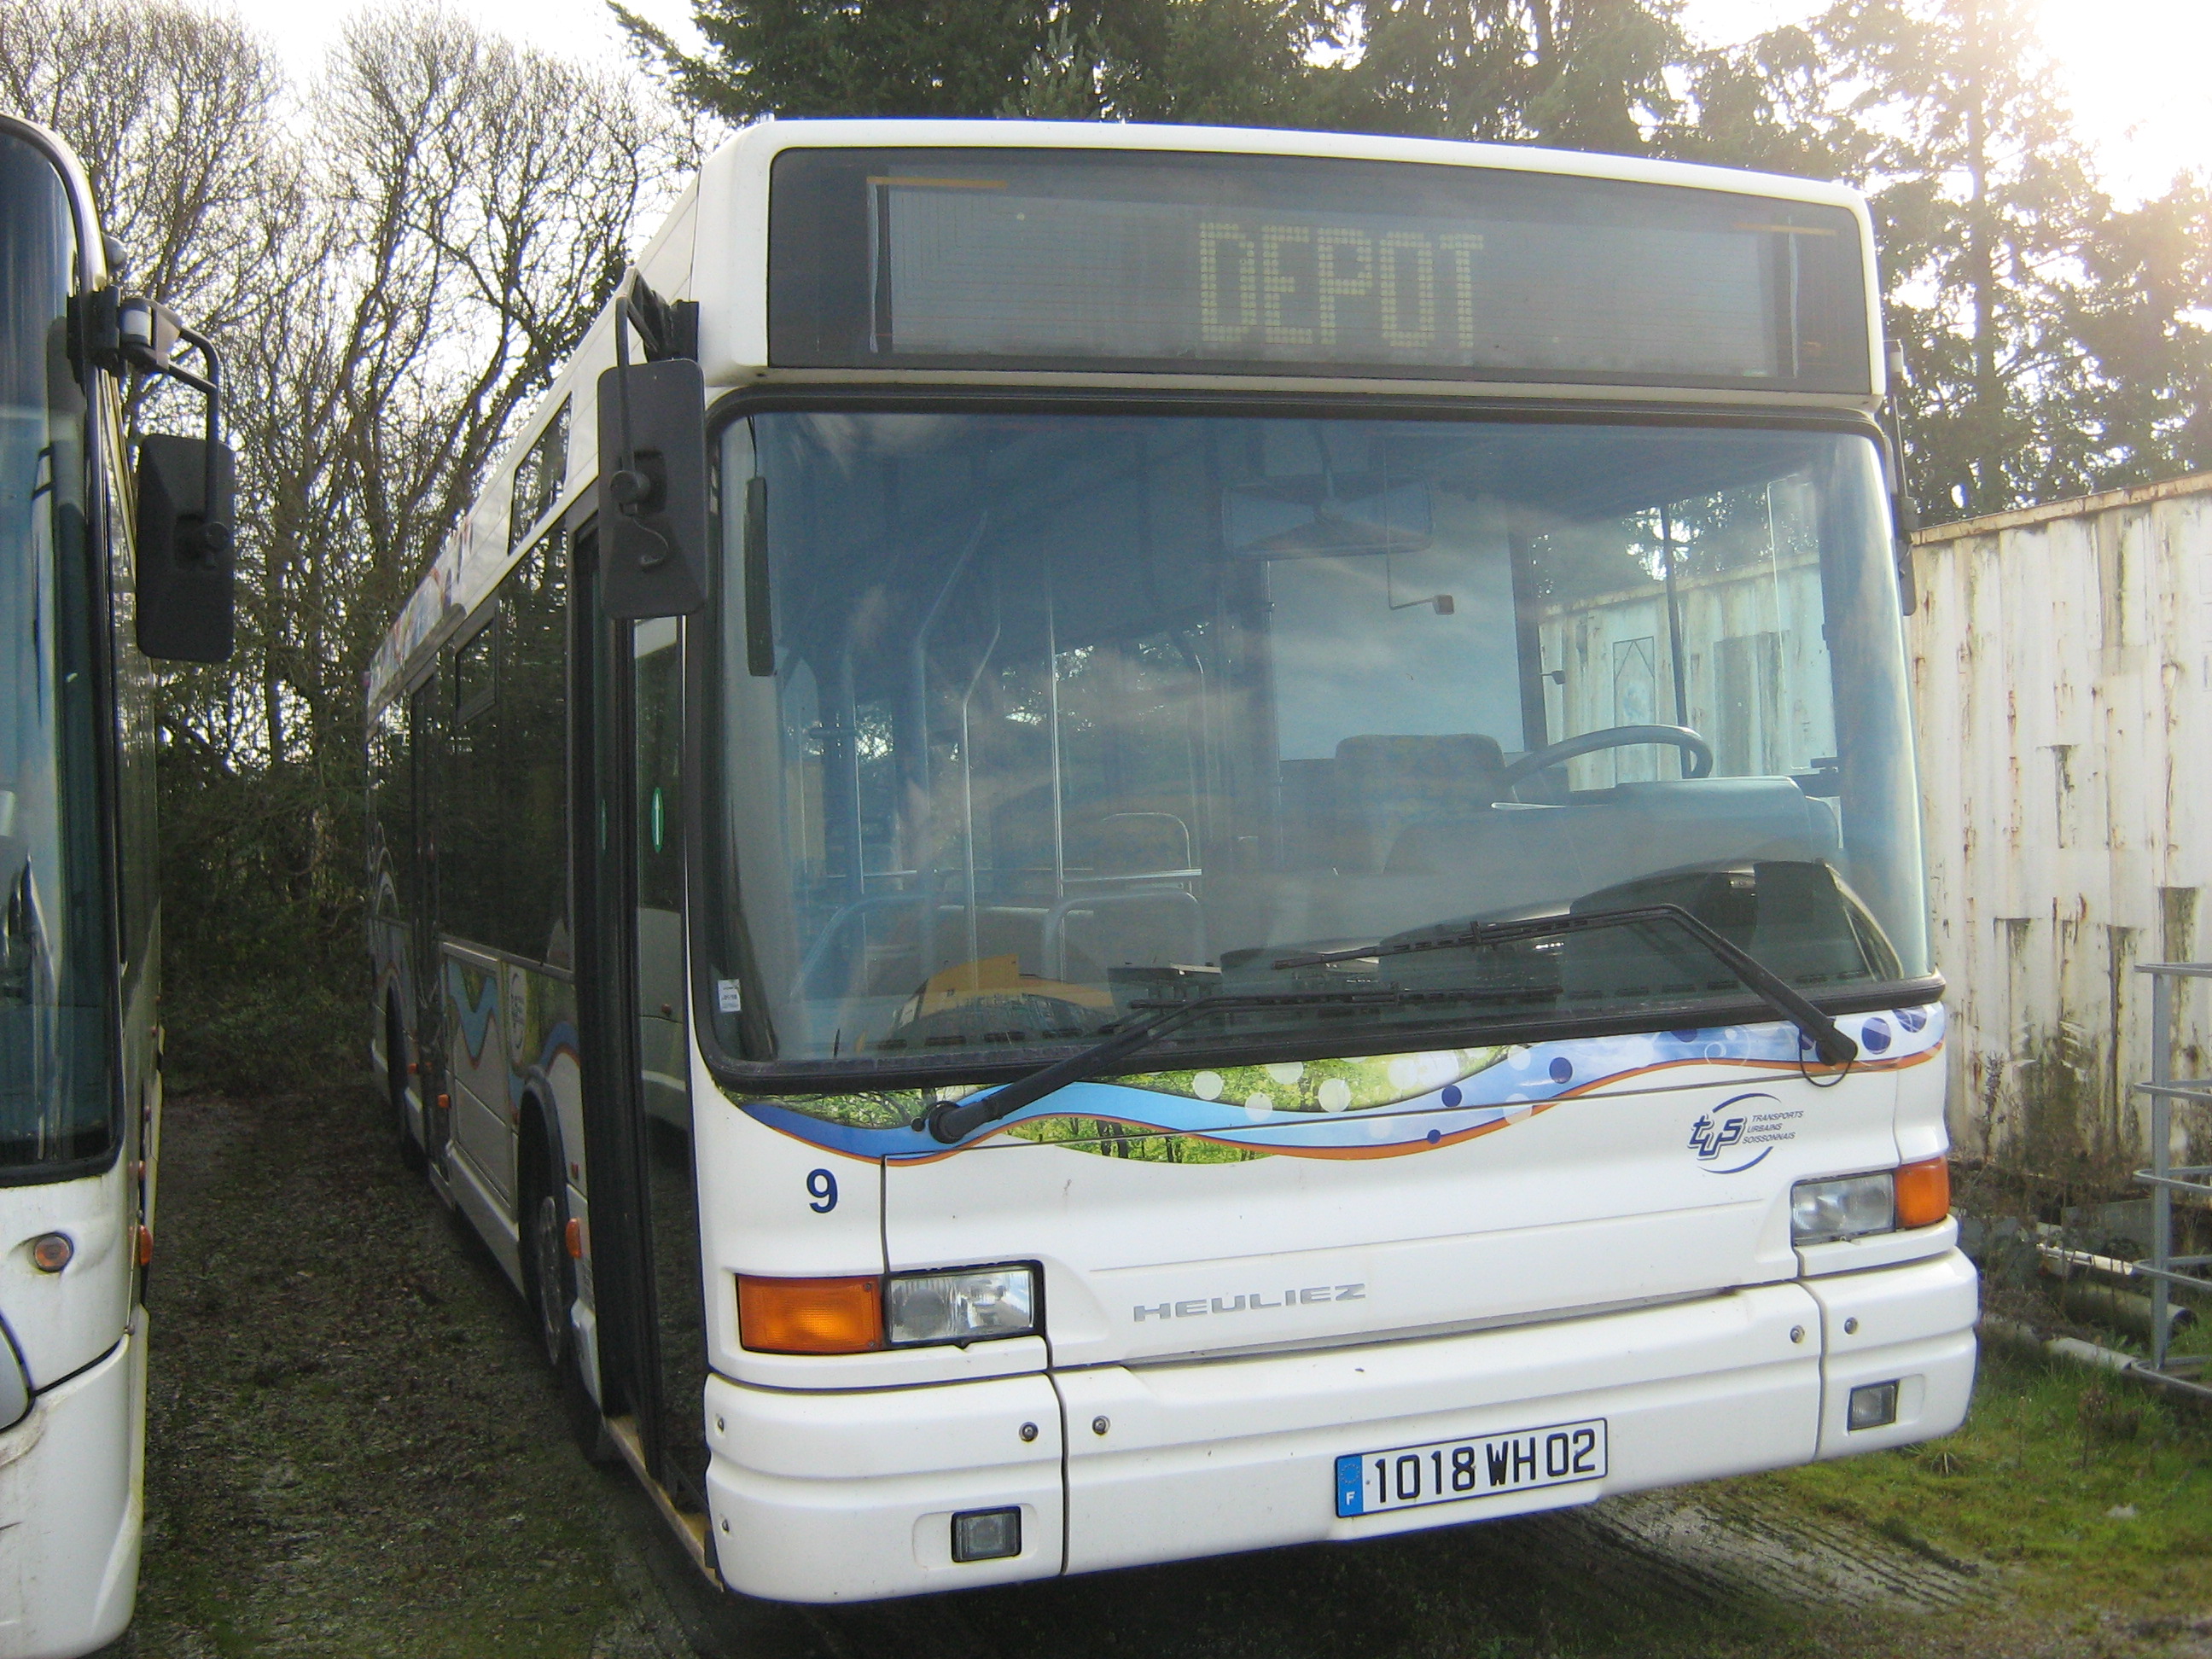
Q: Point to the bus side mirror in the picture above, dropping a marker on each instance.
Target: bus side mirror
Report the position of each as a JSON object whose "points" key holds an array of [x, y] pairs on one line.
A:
{"points": [[652, 490], [186, 610]]}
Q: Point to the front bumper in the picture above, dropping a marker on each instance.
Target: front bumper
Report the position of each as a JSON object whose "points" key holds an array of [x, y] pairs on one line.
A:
{"points": [[822, 1497], [71, 1509]]}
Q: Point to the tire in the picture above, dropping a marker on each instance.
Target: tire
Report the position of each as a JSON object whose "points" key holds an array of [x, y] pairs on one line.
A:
{"points": [[549, 1274], [395, 1088]]}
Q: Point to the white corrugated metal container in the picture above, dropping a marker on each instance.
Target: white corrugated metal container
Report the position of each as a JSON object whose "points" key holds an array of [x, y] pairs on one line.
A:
{"points": [[2063, 673]]}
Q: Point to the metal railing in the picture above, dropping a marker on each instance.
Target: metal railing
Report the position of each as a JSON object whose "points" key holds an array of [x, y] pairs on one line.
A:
{"points": [[2165, 1270]]}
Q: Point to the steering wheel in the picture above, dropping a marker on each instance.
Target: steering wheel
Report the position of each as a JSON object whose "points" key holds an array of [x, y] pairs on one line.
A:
{"points": [[1697, 753]]}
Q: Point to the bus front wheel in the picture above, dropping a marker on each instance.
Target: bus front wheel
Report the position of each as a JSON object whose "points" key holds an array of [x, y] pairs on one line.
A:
{"points": [[546, 1257]]}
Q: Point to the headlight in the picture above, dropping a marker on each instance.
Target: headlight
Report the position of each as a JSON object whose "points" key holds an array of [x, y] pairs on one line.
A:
{"points": [[1822, 1210], [969, 1305]]}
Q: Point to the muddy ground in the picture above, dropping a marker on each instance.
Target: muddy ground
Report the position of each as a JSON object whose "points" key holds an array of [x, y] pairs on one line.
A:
{"points": [[354, 1451]]}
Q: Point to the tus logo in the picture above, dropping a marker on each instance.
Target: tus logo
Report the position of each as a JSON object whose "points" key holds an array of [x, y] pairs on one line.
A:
{"points": [[1723, 1137], [1711, 1136]]}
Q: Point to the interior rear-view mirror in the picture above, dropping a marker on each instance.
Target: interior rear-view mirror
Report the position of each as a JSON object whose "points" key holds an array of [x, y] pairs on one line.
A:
{"points": [[186, 611]]}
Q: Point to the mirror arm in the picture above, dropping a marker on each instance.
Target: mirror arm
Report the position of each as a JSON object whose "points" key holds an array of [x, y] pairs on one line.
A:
{"points": [[651, 484], [628, 486], [215, 535], [636, 306], [135, 332]]}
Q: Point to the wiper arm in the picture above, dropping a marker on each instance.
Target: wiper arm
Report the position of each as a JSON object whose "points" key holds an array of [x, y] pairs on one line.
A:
{"points": [[950, 1121], [1827, 1039]]}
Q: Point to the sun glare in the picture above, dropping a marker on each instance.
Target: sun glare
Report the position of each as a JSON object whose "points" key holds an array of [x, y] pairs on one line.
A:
{"points": [[2133, 70], [2130, 70]]}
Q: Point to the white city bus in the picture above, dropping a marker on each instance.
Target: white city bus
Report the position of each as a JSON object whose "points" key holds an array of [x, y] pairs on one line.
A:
{"points": [[99, 571], [1115, 842]]}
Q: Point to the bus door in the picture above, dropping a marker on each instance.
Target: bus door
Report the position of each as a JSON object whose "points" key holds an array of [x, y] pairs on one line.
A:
{"points": [[645, 1228]]}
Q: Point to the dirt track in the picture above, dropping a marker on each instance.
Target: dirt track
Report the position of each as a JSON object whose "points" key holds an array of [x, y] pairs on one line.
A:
{"points": [[355, 1450]]}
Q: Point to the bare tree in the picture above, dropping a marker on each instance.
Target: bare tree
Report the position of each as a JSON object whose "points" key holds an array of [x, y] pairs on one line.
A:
{"points": [[176, 114], [396, 261]]}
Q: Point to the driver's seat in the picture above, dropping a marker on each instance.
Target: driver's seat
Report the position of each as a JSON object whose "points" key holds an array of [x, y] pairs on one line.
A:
{"points": [[1384, 783]]}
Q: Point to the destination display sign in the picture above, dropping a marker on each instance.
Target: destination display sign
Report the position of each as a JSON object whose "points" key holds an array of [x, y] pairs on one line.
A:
{"points": [[1242, 264]]}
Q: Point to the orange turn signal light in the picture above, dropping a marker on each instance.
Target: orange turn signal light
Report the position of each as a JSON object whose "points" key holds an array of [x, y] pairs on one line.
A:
{"points": [[1924, 1192], [810, 1315]]}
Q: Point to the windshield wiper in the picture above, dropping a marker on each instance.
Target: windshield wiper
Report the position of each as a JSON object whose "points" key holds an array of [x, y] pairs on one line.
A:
{"points": [[1827, 1039], [950, 1121]]}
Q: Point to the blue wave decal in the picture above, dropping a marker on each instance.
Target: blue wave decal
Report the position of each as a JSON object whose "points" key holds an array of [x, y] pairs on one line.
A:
{"points": [[476, 1018], [1519, 1083], [1739, 1167], [561, 1040]]}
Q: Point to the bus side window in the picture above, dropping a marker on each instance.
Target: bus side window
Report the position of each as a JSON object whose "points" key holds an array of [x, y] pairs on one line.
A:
{"points": [[533, 755], [390, 813], [472, 847], [504, 884]]}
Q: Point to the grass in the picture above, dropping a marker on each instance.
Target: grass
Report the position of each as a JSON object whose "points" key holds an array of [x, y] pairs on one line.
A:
{"points": [[2086, 1492], [354, 1450]]}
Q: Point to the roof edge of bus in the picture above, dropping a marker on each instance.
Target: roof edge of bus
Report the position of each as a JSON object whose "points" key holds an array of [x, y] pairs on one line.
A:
{"points": [[91, 250], [773, 135]]}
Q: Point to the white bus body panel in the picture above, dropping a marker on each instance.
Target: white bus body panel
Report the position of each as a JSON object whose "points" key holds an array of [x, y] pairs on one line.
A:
{"points": [[64, 1322], [729, 212], [825, 1497], [1597, 1201], [71, 1513], [1237, 1326]]}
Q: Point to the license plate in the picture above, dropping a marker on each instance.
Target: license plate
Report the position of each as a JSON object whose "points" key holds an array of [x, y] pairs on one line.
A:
{"points": [[1487, 1466]]}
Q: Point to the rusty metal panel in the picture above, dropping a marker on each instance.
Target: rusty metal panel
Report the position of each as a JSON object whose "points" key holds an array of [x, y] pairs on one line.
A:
{"points": [[2061, 662]]}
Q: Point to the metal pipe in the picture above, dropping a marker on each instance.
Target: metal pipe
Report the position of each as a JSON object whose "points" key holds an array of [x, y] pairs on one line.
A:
{"points": [[924, 856], [1059, 803], [2091, 1263], [968, 779], [1673, 624], [2161, 1160]]}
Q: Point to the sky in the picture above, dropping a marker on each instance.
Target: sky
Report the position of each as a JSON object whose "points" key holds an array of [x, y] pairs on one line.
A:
{"points": [[2132, 70]]}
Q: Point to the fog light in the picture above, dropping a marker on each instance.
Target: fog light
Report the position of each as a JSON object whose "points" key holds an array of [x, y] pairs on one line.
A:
{"points": [[967, 1306], [1842, 1209], [1872, 1406], [986, 1535]]}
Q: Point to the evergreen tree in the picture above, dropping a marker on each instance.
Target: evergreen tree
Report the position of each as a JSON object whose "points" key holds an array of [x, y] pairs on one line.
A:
{"points": [[1216, 61], [2141, 320], [1213, 63], [2054, 345], [1573, 74], [1984, 204], [1767, 105], [801, 57]]}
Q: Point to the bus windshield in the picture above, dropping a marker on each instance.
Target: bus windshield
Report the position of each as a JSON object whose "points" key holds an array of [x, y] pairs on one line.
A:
{"points": [[55, 1109], [1020, 722]]}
